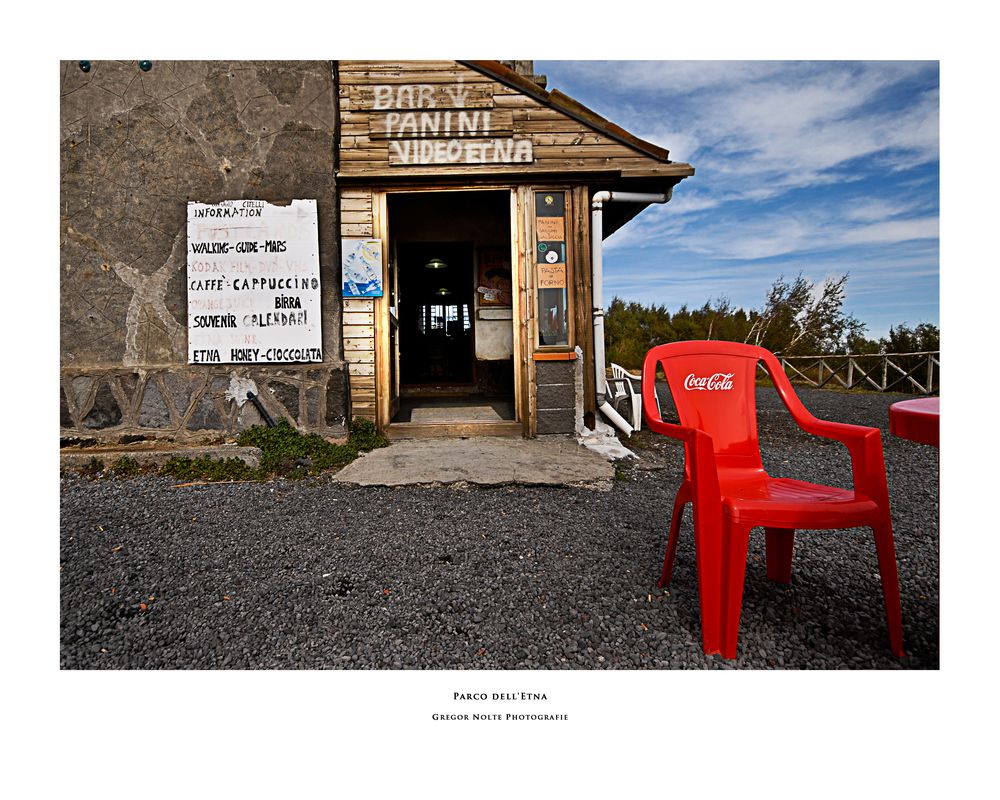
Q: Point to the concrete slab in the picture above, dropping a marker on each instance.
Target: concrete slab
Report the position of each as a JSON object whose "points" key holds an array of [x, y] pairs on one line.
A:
{"points": [[484, 461]]}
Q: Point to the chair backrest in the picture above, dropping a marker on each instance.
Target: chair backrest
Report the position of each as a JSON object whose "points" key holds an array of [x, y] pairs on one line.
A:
{"points": [[713, 385], [619, 372]]}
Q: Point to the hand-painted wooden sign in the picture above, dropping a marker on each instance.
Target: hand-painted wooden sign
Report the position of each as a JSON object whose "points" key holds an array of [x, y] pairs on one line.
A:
{"points": [[361, 265], [440, 124], [412, 152], [551, 276], [550, 229], [443, 124], [253, 283]]}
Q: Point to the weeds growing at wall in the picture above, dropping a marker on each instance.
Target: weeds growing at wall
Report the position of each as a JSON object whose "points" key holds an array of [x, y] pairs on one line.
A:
{"points": [[211, 469], [126, 467], [285, 453]]}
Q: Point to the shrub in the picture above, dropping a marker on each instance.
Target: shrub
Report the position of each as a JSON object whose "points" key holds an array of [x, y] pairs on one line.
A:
{"points": [[126, 467], [285, 452]]}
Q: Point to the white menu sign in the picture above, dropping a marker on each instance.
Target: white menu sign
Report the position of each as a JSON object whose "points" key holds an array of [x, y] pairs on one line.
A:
{"points": [[253, 283]]}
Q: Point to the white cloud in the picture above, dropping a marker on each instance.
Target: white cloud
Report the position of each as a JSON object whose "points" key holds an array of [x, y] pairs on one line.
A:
{"points": [[689, 203], [786, 124], [683, 145], [800, 167], [877, 209], [733, 236], [795, 137], [893, 231]]}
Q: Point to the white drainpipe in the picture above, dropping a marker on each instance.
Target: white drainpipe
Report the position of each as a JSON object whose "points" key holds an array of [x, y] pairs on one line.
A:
{"points": [[597, 258]]}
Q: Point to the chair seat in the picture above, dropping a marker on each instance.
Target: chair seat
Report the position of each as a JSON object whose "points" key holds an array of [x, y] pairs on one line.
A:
{"points": [[787, 503]]}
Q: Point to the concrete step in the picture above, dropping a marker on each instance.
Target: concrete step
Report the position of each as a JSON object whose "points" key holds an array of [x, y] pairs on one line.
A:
{"points": [[155, 453]]}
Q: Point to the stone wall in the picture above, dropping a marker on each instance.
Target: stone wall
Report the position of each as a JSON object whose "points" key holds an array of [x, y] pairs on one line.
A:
{"points": [[136, 146], [556, 395], [188, 403]]}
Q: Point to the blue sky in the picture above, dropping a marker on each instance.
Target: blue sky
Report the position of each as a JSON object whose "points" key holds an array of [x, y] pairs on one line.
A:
{"points": [[822, 167]]}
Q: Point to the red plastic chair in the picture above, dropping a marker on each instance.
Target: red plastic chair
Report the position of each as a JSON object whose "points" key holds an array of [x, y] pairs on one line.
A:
{"points": [[713, 386]]}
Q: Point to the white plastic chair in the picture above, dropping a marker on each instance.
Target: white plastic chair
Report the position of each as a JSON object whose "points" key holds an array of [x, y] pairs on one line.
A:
{"points": [[617, 394], [620, 389]]}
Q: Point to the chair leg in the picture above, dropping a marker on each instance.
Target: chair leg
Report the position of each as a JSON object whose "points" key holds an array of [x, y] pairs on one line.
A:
{"points": [[779, 543], [886, 551], [682, 499], [736, 541]]}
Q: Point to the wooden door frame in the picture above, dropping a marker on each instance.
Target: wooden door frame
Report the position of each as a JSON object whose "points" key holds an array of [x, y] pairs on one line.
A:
{"points": [[519, 297]]}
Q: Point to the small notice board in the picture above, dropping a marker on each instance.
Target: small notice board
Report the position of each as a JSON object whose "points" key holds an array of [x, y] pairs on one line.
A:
{"points": [[253, 283]]}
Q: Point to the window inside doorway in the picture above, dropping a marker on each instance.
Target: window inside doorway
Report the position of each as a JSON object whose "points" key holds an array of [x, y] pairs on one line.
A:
{"points": [[442, 317]]}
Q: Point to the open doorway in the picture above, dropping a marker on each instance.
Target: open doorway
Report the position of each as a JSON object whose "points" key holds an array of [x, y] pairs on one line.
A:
{"points": [[450, 255]]}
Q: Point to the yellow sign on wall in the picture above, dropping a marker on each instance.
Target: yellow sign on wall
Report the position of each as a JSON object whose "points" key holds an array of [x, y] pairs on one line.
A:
{"points": [[550, 229], [551, 276]]}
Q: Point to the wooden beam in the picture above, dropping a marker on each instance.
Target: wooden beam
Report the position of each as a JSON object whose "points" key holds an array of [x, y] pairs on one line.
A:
{"points": [[422, 430], [583, 290], [380, 227]]}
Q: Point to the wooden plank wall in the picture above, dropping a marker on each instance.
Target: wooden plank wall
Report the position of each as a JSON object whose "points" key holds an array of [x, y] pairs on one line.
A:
{"points": [[356, 220], [559, 143]]}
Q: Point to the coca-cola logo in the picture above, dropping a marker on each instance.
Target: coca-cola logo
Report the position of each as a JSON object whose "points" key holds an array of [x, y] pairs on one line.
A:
{"points": [[719, 382]]}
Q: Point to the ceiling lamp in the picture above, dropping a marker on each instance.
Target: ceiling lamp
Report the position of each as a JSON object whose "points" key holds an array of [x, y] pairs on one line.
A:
{"points": [[435, 263], [444, 290]]}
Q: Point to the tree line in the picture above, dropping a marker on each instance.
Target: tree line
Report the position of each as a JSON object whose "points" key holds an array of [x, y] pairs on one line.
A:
{"points": [[797, 317]]}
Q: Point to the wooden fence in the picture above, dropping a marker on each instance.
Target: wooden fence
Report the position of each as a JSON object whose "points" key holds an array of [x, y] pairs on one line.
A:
{"points": [[883, 372]]}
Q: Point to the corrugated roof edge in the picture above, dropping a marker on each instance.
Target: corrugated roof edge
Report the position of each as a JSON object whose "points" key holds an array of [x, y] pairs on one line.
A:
{"points": [[567, 105]]}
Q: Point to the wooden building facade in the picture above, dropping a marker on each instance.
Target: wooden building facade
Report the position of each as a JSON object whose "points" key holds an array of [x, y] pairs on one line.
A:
{"points": [[461, 189], [476, 183]]}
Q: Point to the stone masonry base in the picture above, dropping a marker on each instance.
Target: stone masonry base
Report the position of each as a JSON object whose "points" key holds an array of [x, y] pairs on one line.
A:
{"points": [[195, 403]]}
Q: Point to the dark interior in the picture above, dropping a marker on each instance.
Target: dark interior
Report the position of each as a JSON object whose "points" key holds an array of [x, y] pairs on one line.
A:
{"points": [[436, 314], [440, 311]]}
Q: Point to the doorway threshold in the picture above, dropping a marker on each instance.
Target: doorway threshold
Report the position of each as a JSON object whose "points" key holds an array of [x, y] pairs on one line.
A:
{"points": [[428, 430]]}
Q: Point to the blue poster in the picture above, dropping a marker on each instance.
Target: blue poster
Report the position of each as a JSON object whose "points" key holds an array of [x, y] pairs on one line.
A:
{"points": [[361, 263]]}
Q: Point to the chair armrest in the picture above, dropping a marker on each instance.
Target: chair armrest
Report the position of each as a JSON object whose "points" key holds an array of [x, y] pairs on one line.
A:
{"points": [[699, 448], [841, 431], [865, 446], [863, 443], [681, 432]]}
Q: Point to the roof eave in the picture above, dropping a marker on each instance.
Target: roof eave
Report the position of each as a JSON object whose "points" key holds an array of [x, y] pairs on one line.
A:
{"points": [[567, 105]]}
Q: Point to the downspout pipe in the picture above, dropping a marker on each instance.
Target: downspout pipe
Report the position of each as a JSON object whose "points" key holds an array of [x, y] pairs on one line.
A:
{"points": [[597, 260]]}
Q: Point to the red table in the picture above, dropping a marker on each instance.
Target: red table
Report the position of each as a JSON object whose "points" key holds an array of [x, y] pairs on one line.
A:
{"points": [[916, 420]]}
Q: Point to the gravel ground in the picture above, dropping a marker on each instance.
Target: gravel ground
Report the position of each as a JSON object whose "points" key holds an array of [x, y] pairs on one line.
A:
{"points": [[311, 574]]}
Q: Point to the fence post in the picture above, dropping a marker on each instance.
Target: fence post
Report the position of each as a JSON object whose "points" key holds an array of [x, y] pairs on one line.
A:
{"points": [[819, 372], [885, 371], [850, 372], [930, 374]]}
